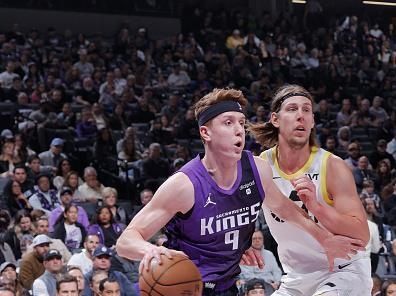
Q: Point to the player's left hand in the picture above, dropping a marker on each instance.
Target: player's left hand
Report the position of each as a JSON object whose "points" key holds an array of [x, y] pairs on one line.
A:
{"points": [[306, 190], [252, 257]]}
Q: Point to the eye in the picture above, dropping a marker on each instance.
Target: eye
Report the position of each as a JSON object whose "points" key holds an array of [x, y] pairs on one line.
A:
{"points": [[228, 122]]}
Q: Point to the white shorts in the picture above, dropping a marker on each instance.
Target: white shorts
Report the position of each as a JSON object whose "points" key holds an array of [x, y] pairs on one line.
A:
{"points": [[349, 280]]}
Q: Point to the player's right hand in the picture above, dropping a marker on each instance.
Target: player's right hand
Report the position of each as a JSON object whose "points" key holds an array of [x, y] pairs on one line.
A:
{"points": [[155, 252], [338, 246]]}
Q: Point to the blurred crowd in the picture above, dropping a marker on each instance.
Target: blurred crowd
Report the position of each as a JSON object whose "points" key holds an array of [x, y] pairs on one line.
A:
{"points": [[92, 125]]}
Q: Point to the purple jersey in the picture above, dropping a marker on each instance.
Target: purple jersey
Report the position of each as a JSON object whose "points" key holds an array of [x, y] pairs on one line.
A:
{"points": [[218, 229]]}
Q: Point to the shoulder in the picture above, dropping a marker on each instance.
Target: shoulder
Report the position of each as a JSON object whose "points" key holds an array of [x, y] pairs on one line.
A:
{"points": [[335, 163]]}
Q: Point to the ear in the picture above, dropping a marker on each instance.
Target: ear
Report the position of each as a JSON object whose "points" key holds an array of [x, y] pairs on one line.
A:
{"points": [[205, 133], [274, 119]]}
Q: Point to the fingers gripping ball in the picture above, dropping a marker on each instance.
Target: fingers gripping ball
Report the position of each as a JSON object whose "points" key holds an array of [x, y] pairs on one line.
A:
{"points": [[174, 277]]}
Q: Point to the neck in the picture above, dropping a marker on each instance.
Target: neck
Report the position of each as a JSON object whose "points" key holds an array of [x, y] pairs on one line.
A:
{"points": [[222, 171], [287, 160]]}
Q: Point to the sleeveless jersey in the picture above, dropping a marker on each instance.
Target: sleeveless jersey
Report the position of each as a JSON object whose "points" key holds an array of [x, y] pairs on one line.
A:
{"points": [[298, 251], [218, 229]]}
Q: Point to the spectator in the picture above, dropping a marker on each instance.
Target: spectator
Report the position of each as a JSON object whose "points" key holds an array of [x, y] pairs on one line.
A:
{"points": [[21, 236], [343, 137], [104, 148], [84, 259], [376, 110], [178, 79], [377, 283], [8, 270], [109, 286], [7, 159], [380, 153], [110, 196], [41, 227], [97, 277], [86, 128], [16, 200], [87, 95], [6, 287], [66, 198], [84, 67], [344, 116], [32, 266], [20, 175], [353, 155], [105, 227], [68, 229], [271, 273], [257, 287], [101, 261], [391, 146], [54, 155], [118, 119], [67, 284], [363, 173], [64, 167], [234, 40], [188, 128], [67, 118], [73, 181], [21, 149], [145, 197], [7, 77], [390, 202], [155, 167], [45, 285], [389, 288], [384, 173], [34, 168], [78, 275], [44, 198], [91, 190], [100, 118]]}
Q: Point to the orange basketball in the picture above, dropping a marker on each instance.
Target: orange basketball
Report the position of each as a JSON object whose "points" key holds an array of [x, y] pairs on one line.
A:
{"points": [[174, 277]]}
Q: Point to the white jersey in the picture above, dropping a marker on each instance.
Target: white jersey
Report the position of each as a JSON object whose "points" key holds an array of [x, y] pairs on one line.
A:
{"points": [[298, 251]]}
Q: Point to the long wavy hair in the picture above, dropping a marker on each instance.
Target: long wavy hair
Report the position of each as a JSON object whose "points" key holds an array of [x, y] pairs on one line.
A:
{"points": [[266, 134]]}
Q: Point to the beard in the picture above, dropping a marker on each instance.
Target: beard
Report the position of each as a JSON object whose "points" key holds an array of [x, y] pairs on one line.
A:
{"points": [[297, 143]]}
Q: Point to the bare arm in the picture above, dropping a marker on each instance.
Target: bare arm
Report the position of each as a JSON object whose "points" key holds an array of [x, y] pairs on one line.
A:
{"points": [[347, 217], [175, 195], [335, 246], [285, 208]]}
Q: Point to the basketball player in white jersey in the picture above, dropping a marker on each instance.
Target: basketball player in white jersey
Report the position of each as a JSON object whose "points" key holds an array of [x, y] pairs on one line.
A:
{"points": [[291, 136]]}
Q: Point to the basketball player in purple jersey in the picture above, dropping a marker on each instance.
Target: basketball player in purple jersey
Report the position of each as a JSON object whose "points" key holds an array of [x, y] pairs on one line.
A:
{"points": [[290, 135], [209, 207]]}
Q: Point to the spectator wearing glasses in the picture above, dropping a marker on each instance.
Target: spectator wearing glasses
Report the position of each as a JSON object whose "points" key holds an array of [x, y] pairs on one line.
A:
{"points": [[45, 285]]}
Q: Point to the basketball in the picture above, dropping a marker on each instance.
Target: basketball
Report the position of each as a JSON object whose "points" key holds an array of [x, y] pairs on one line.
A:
{"points": [[176, 276]]}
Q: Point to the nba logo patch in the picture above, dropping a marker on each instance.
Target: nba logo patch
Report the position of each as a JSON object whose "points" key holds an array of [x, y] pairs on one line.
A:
{"points": [[248, 191]]}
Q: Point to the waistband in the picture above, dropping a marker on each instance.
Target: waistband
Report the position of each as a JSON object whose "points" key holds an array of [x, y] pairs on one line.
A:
{"points": [[219, 286]]}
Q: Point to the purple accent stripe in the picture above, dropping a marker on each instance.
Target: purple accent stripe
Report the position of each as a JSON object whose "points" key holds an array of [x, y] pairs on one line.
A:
{"points": [[256, 176]]}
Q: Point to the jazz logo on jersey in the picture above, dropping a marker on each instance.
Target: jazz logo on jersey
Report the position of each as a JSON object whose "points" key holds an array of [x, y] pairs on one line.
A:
{"points": [[209, 201]]}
